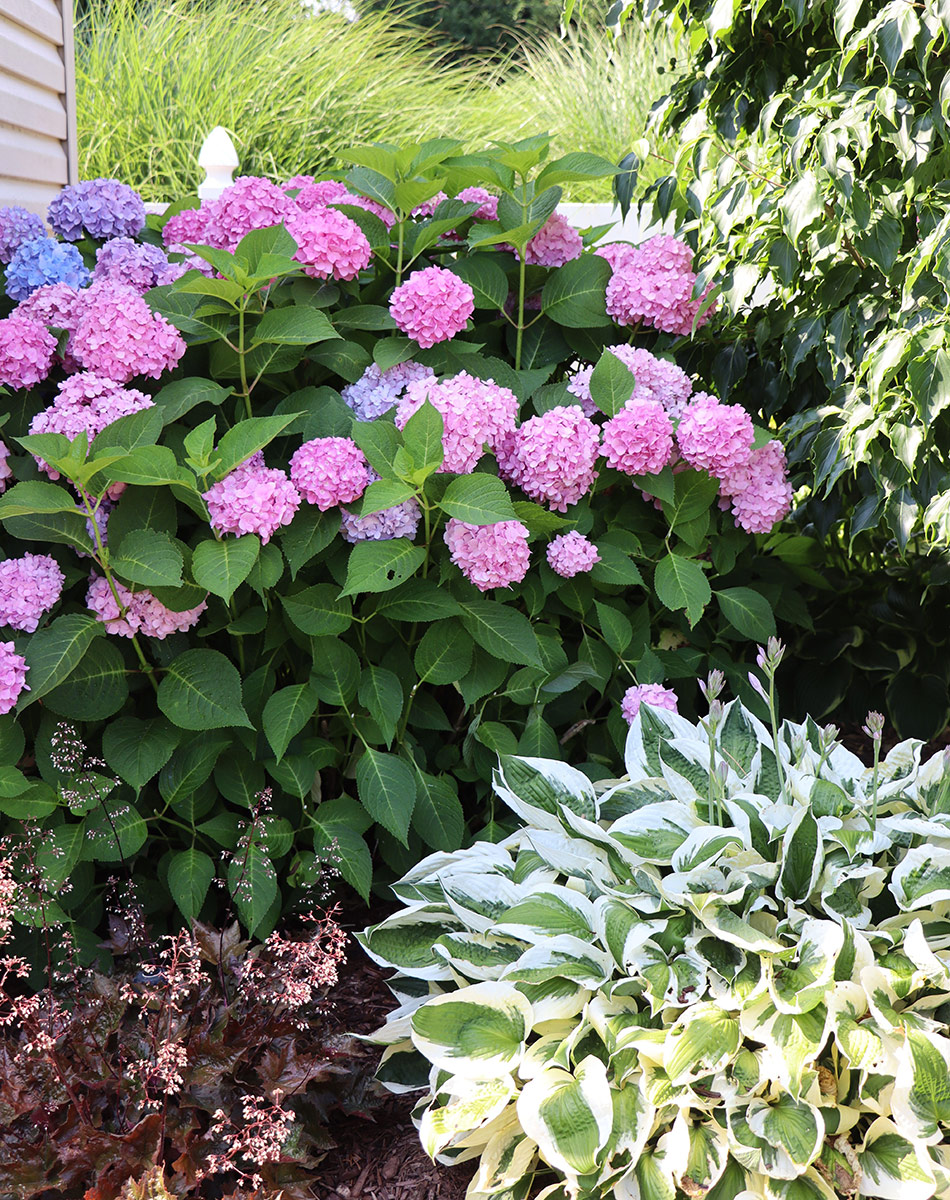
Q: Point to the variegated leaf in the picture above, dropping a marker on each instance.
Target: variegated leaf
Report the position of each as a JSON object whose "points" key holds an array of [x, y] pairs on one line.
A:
{"points": [[477, 1031], [570, 1116]]}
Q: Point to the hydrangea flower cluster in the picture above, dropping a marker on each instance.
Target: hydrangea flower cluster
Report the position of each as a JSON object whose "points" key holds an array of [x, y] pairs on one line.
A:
{"points": [[86, 402], [189, 225], [638, 440], [18, 225], [143, 612], [26, 351], [5, 469], [475, 413], [119, 336], [329, 243], [433, 305], [571, 554], [402, 520], [57, 306], [29, 587], [328, 471], [133, 264], [488, 204], [44, 260], [552, 457], [715, 437], [653, 284], [103, 208], [759, 489], [13, 671], [653, 694], [667, 382], [251, 202], [489, 556], [557, 242], [253, 498], [319, 193], [376, 391]]}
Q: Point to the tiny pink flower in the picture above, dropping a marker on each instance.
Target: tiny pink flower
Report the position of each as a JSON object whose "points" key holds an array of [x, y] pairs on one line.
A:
{"points": [[571, 554], [653, 694]]}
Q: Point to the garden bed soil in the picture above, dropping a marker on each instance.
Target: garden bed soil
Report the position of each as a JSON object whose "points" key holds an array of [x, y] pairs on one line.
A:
{"points": [[376, 1153]]}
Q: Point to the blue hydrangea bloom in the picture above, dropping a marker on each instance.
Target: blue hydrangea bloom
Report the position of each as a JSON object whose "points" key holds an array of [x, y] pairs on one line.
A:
{"points": [[17, 225], [44, 260], [103, 208]]}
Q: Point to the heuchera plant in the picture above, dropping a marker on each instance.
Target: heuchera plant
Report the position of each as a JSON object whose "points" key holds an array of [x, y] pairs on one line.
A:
{"points": [[724, 975], [383, 476]]}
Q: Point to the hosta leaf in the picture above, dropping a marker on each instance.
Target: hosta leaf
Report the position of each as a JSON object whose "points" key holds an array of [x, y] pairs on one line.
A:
{"points": [[790, 1125], [700, 1042], [921, 878], [476, 1032], [796, 989], [570, 1116]]}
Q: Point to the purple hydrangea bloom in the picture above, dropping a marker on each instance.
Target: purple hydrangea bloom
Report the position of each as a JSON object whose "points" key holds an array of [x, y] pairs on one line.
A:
{"points": [[376, 391], [18, 225], [103, 208], [133, 264], [44, 260]]}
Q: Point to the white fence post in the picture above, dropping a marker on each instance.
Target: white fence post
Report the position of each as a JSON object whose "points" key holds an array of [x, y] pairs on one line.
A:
{"points": [[219, 160]]}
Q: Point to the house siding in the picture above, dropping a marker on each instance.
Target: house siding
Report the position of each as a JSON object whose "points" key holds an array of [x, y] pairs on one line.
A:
{"points": [[37, 101]]}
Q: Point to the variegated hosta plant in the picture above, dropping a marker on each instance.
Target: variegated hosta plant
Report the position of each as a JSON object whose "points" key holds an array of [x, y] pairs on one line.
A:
{"points": [[726, 975]]}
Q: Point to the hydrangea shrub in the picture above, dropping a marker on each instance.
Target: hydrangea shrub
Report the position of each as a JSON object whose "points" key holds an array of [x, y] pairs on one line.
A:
{"points": [[725, 974], [349, 502]]}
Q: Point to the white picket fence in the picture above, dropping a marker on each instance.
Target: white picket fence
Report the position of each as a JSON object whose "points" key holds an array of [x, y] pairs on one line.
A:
{"points": [[219, 160]]}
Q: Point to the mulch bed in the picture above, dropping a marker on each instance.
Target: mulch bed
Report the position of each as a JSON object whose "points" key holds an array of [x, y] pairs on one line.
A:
{"points": [[377, 1155]]}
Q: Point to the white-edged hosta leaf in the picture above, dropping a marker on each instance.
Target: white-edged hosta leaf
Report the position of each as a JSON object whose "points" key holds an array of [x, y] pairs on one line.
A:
{"points": [[403, 1069], [477, 1031], [684, 764], [478, 898], [802, 857], [634, 1116], [570, 1116], [472, 1103], [621, 929], [808, 1186], [555, 999], [704, 845], [891, 1167], [478, 956], [654, 834], [920, 1102], [732, 928], [536, 788], [697, 1151], [792, 1126], [796, 989], [700, 1042], [562, 957], [650, 725], [506, 1160], [548, 911], [406, 939], [921, 878]]}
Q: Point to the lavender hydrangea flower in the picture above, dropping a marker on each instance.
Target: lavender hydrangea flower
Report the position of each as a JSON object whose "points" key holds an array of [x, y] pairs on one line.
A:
{"points": [[132, 264], [376, 391], [44, 260], [103, 208], [18, 225]]}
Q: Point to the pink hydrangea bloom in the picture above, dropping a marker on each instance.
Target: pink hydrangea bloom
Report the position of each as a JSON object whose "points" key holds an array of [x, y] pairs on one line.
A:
{"points": [[119, 336], [428, 207], [143, 613], [667, 382], [57, 306], [715, 437], [5, 470], [26, 351], [551, 457], [329, 243], [638, 440], [190, 225], [87, 402], [29, 587], [557, 242], [489, 556], [296, 181], [432, 306], [13, 671], [616, 253], [653, 694], [253, 498], [488, 210], [251, 202], [319, 193], [328, 471], [759, 489], [475, 413], [570, 554], [386, 215], [663, 299], [665, 253]]}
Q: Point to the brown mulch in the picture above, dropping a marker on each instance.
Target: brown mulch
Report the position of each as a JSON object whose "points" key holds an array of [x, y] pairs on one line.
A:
{"points": [[377, 1154]]}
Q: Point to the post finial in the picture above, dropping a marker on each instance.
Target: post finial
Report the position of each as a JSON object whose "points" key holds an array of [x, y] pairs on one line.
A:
{"points": [[219, 160]]}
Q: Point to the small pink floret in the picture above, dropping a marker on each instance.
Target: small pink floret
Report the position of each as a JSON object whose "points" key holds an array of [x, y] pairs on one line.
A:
{"points": [[653, 694]]}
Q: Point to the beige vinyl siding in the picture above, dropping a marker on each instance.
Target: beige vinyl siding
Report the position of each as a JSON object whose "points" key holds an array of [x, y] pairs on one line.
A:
{"points": [[37, 103]]}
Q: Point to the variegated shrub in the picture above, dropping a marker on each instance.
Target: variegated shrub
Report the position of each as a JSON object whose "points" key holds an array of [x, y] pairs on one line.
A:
{"points": [[628, 999]]}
